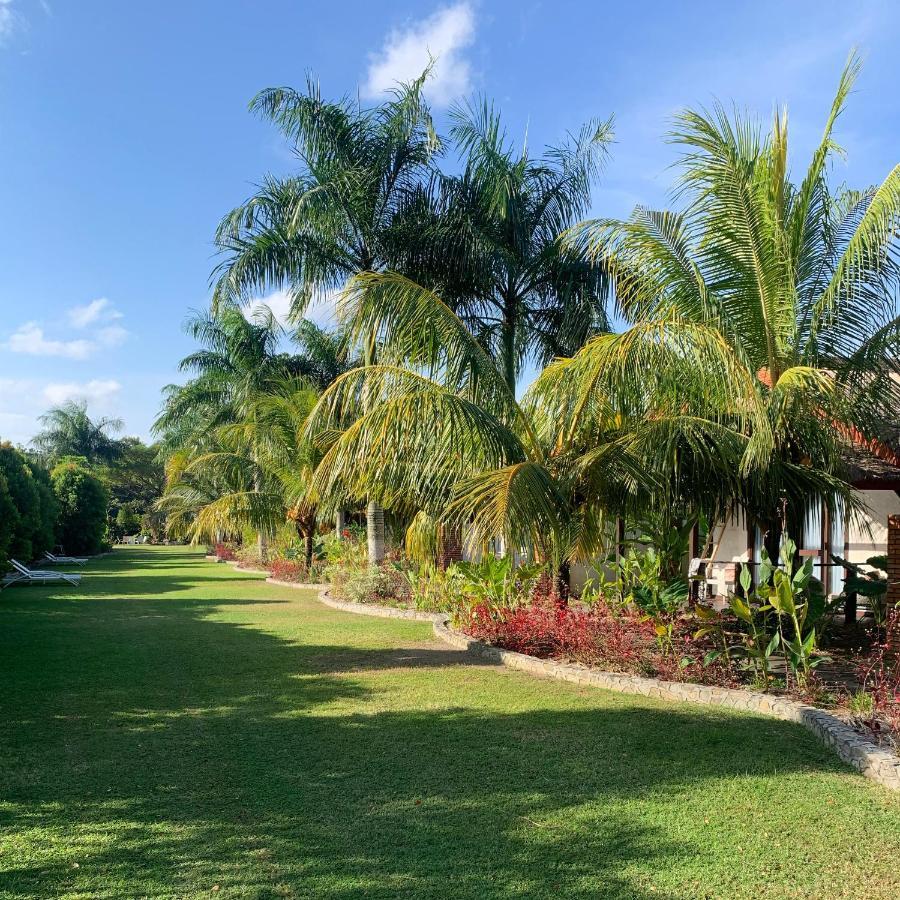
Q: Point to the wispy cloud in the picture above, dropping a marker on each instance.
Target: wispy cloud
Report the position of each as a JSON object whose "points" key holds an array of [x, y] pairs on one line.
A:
{"points": [[99, 316], [82, 316], [443, 36], [320, 310], [96, 390], [9, 19], [30, 339]]}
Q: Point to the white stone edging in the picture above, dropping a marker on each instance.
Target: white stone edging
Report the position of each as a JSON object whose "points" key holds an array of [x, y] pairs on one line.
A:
{"points": [[363, 609], [870, 760]]}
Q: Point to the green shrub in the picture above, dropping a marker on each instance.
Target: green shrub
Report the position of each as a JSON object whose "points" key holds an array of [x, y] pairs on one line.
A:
{"points": [[8, 522], [44, 538], [83, 501], [26, 498]]}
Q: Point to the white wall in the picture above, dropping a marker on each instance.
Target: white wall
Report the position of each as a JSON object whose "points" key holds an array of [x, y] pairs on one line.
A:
{"points": [[861, 542]]}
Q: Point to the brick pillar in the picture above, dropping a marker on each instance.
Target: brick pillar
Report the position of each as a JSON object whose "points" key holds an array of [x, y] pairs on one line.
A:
{"points": [[893, 574]]}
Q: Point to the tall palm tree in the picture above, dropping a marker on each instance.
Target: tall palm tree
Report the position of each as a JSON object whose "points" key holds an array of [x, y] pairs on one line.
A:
{"points": [[361, 170], [435, 429], [237, 361], [766, 334], [69, 431], [491, 243], [262, 466]]}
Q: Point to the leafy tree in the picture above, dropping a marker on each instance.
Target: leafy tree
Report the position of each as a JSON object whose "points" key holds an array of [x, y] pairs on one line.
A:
{"points": [[83, 501], [8, 522], [136, 478], [44, 536], [766, 333], [346, 211], [69, 431], [26, 498]]}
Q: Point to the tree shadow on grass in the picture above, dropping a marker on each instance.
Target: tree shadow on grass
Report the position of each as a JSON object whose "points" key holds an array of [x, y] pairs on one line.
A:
{"points": [[168, 752]]}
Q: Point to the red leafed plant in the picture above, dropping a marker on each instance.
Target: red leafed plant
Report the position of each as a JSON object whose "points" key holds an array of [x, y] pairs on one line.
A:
{"points": [[223, 551], [288, 570], [880, 673]]}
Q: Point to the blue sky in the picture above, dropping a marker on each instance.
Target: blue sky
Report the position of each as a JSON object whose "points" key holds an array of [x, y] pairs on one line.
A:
{"points": [[124, 137]]}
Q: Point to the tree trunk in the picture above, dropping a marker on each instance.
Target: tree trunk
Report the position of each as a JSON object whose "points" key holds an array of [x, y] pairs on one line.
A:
{"points": [[339, 521], [308, 550], [262, 546], [375, 533], [563, 587]]}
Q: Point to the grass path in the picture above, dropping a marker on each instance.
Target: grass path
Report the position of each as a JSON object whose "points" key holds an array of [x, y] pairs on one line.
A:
{"points": [[174, 728]]}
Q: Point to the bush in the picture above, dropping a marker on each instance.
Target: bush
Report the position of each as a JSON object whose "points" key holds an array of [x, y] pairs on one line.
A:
{"points": [[44, 537], [226, 552], [26, 498], [8, 521], [83, 501], [295, 570], [387, 585]]}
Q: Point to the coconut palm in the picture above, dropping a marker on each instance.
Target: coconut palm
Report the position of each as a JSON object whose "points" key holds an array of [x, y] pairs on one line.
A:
{"points": [[764, 343], [237, 361], [435, 432], [262, 468], [69, 431], [491, 246], [361, 170]]}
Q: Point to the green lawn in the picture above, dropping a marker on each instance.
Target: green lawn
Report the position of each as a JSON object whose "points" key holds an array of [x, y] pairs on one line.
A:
{"points": [[176, 729]]}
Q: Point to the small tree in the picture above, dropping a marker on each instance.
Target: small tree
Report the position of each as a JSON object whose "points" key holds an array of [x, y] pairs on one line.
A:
{"points": [[83, 501], [44, 537], [26, 499], [8, 522]]}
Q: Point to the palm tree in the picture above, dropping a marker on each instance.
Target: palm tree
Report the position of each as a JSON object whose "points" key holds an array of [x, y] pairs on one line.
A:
{"points": [[361, 171], [765, 334], [491, 246], [69, 431], [261, 465], [435, 432], [237, 361]]}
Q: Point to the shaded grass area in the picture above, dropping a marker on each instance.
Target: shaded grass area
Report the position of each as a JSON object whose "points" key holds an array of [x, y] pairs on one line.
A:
{"points": [[173, 728]]}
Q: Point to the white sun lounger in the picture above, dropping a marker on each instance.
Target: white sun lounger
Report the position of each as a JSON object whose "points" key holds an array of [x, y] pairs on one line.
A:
{"points": [[25, 575], [66, 560]]}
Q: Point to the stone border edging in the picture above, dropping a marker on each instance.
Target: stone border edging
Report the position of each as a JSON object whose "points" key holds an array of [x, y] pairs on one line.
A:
{"points": [[873, 762], [363, 609], [869, 759]]}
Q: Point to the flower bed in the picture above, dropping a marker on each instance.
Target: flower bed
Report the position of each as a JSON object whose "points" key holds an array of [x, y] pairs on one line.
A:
{"points": [[616, 640]]}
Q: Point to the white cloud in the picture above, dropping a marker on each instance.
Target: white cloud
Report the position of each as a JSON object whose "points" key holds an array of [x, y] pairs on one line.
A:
{"points": [[82, 316], [443, 36], [9, 19], [94, 391], [320, 311], [29, 338]]}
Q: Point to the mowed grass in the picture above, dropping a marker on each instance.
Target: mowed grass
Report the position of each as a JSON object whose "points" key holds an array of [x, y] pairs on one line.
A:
{"points": [[177, 729]]}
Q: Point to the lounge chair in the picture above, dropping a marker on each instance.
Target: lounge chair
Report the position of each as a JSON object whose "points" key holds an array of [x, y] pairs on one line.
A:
{"points": [[67, 560], [25, 575]]}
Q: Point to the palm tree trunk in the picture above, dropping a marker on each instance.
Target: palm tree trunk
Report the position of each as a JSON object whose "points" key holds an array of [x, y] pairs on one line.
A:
{"points": [[375, 533], [308, 549]]}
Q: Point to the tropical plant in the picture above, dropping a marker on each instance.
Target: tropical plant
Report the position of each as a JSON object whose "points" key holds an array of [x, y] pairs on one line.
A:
{"points": [[493, 247], [70, 431], [8, 521], [345, 212], [236, 363], [765, 335], [263, 468], [435, 427], [870, 582]]}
